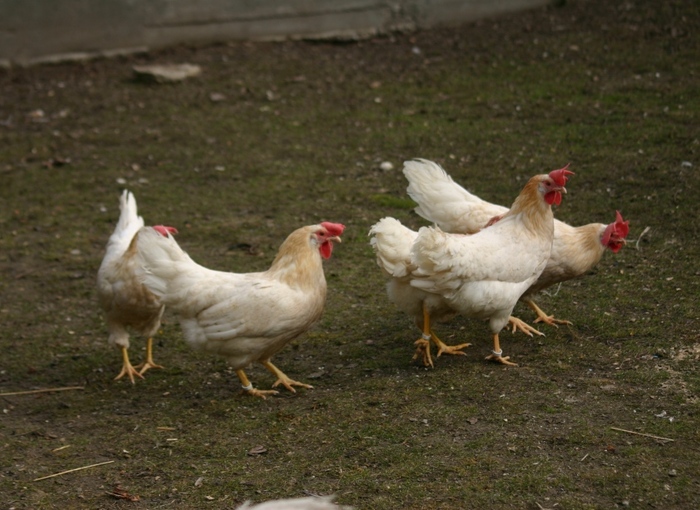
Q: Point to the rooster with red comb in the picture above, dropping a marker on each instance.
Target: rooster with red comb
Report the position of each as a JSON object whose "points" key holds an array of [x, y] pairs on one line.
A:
{"points": [[575, 250], [483, 275]]}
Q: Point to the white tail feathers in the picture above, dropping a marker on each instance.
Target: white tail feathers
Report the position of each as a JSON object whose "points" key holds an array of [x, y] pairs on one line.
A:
{"points": [[429, 249], [392, 244], [444, 202], [129, 220]]}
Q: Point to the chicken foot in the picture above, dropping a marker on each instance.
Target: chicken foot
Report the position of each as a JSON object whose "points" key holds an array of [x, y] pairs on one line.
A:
{"points": [[149, 363], [248, 387], [127, 367], [523, 327], [543, 317], [497, 352], [283, 379], [423, 344]]}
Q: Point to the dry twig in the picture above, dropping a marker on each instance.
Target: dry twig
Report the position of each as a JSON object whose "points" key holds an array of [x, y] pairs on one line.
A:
{"points": [[45, 390], [72, 470], [642, 434]]}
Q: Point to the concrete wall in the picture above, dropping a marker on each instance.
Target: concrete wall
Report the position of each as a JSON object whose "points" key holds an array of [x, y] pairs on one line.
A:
{"points": [[33, 31]]}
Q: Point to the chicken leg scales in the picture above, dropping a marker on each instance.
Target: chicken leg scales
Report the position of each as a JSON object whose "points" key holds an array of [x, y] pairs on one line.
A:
{"points": [[283, 379], [423, 344], [127, 367], [543, 317], [496, 355], [149, 363], [248, 387]]}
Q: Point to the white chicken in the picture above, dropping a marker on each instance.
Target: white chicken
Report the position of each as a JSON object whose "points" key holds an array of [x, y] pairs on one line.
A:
{"points": [[310, 503], [243, 317], [483, 275], [575, 250], [392, 243], [126, 302]]}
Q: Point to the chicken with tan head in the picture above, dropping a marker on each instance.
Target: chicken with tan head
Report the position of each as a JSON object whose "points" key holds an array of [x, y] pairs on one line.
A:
{"points": [[244, 317], [483, 275], [575, 250]]}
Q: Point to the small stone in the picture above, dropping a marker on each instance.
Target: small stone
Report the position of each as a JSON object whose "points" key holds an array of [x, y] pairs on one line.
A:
{"points": [[386, 166], [166, 73]]}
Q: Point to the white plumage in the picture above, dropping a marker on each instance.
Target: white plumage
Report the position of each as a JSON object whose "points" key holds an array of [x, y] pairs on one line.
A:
{"points": [[126, 302], [575, 250], [244, 317]]}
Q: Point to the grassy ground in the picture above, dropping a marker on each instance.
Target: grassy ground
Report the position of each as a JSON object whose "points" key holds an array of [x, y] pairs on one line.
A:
{"points": [[611, 87]]}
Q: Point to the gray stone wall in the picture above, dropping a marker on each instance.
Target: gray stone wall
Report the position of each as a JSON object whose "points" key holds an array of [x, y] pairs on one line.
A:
{"points": [[33, 31]]}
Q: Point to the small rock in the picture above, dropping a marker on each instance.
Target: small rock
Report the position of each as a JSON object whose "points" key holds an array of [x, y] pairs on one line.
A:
{"points": [[216, 97], [672, 472], [386, 166], [167, 73]]}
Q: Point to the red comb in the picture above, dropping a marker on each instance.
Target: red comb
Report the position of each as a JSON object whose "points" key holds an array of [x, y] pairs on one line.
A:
{"points": [[334, 229], [560, 176], [164, 231], [622, 228]]}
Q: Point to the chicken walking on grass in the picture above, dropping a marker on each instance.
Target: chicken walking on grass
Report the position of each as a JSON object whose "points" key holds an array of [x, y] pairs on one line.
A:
{"points": [[575, 250], [483, 275], [392, 243], [244, 317], [127, 304]]}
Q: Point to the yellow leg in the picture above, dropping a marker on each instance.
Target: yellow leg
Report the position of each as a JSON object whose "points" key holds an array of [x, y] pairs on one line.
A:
{"points": [[127, 367], [282, 378], [543, 317], [149, 363], [423, 344], [248, 387], [523, 326], [497, 352]]}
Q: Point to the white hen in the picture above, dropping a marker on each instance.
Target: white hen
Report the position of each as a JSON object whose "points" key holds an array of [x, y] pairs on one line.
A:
{"points": [[392, 243], [483, 275], [575, 250], [244, 317], [124, 299]]}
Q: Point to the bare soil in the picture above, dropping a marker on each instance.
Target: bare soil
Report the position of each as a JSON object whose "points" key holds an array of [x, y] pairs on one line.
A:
{"points": [[272, 136]]}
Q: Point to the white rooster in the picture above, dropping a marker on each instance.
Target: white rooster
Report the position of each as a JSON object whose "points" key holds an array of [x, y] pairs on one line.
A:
{"points": [[244, 317], [122, 296]]}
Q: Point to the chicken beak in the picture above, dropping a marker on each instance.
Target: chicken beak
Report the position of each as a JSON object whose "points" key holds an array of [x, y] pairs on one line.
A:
{"points": [[336, 239], [563, 190]]}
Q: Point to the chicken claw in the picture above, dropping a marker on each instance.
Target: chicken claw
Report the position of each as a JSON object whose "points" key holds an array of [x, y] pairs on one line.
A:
{"points": [[149, 363], [503, 360], [448, 349], [127, 367], [496, 354], [551, 321], [523, 327], [254, 392], [283, 379], [423, 351], [248, 387], [543, 317]]}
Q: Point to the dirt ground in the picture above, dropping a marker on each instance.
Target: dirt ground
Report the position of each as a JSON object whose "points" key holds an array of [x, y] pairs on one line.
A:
{"points": [[273, 136]]}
